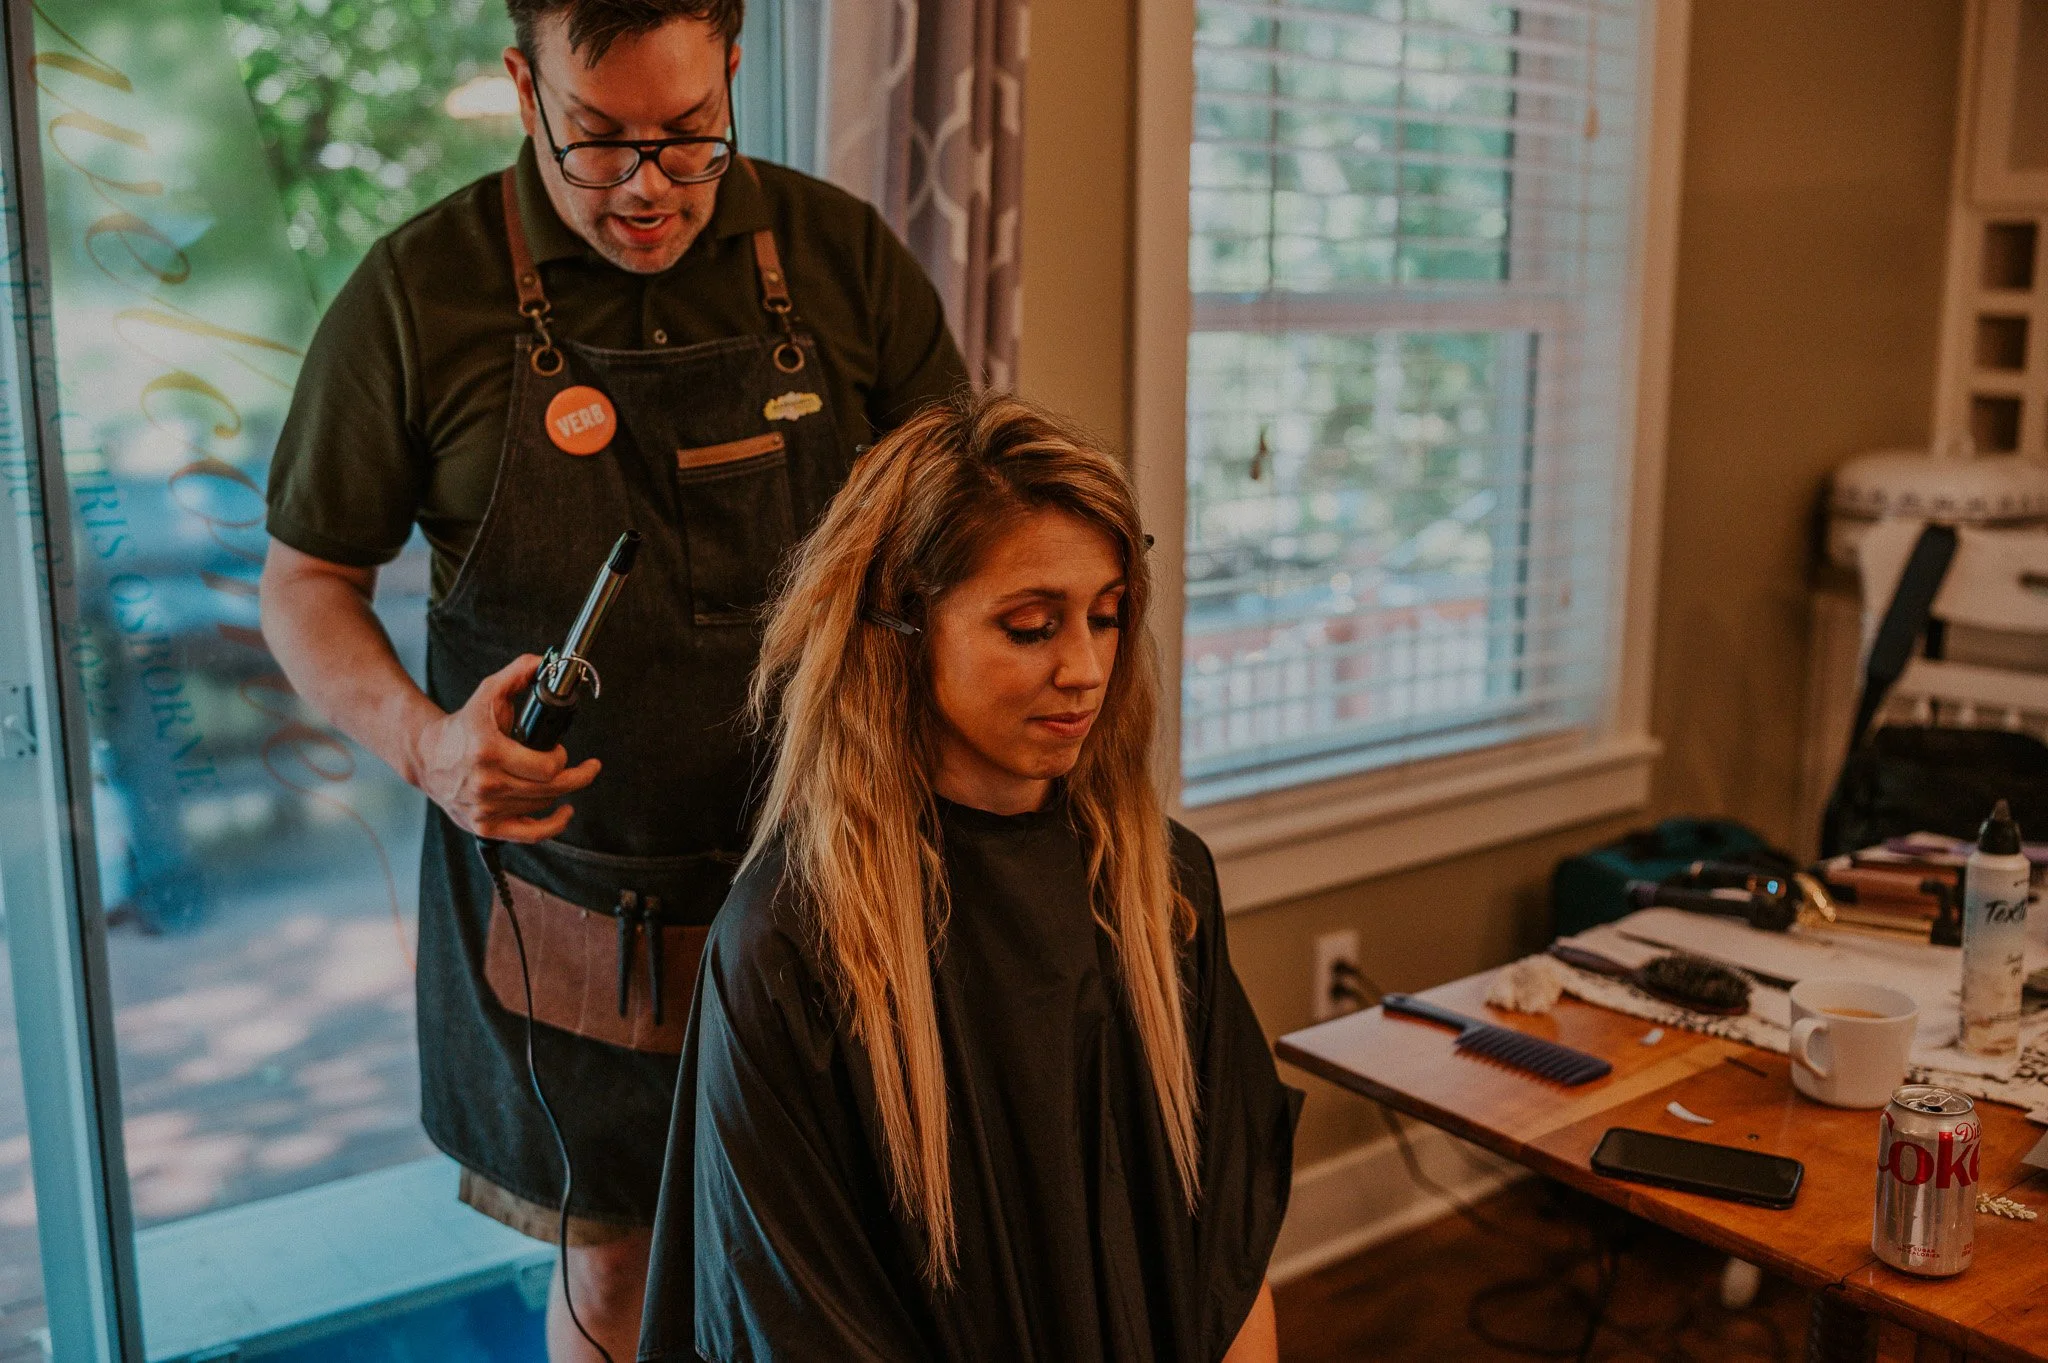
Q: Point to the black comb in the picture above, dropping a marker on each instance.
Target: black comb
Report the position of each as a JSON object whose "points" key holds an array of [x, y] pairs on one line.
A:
{"points": [[1545, 1059]]}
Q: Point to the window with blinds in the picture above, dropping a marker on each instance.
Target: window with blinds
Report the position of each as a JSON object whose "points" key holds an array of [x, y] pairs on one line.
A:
{"points": [[1407, 401]]}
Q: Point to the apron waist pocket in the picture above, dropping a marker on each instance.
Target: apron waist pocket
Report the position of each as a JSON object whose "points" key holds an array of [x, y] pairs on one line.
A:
{"points": [[622, 976]]}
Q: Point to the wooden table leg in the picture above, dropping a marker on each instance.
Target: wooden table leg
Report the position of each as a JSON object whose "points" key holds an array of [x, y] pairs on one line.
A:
{"points": [[1837, 1332]]}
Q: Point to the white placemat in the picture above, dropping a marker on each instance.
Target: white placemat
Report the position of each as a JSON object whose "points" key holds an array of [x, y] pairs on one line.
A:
{"points": [[1929, 973]]}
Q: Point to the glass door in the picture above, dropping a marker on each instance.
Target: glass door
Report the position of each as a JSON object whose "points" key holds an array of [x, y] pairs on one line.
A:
{"points": [[209, 1135], [211, 172]]}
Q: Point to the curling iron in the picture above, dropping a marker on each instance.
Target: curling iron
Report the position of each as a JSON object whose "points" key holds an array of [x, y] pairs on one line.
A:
{"points": [[550, 704], [545, 714], [1809, 898], [1772, 913]]}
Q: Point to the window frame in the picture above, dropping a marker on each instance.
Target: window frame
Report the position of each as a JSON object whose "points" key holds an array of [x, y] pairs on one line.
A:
{"points": [[781, 86], [1302, 839], [49, 892]]}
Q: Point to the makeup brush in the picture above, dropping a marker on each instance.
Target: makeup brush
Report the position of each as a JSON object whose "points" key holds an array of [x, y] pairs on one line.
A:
{"points": [[1689, 981]]}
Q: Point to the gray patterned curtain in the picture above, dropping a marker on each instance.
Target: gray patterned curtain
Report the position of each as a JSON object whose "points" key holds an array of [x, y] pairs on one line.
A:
{"points": [[926, 121]]}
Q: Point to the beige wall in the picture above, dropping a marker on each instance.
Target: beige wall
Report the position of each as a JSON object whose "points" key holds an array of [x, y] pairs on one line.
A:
{"points": [[1816, 172], [1818, 143], [1076, 241]]}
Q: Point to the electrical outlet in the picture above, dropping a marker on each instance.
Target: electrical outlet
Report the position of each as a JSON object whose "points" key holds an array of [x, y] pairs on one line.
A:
{"points": [[1331, 948]]}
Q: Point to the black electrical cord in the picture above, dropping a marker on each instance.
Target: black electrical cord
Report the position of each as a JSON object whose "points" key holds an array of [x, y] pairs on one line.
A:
{"points": [[488, 850], [1669, 1340], [1430, 1185], [1608, 1268], [1605, 1254], [1513, 1289], [1351, 984], [1348, 982]]}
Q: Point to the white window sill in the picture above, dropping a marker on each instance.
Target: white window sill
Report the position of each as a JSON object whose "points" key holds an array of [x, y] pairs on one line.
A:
{"points": [[1294, 843]]}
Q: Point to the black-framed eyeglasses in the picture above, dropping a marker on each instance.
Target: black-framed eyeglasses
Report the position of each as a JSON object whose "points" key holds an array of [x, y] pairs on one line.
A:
{"points": [[604, 162]]}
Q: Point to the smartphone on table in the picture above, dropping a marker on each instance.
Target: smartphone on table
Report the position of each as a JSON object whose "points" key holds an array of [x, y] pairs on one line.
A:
{"points": [[1697, 1167]]}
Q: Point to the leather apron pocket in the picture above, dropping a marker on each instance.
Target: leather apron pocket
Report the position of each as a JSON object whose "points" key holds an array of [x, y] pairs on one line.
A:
{"points": [[739, 518], [600, 975]]}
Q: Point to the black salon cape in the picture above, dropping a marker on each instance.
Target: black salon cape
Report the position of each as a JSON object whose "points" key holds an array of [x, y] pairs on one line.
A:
{"points": [[775, 1237]]}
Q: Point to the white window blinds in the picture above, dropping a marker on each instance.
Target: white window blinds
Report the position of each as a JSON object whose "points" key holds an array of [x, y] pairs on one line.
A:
{"points": [[1410, 223]]}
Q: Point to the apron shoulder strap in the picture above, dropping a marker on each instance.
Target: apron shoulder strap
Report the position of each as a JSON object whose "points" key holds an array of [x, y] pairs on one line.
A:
{"points": [[533, 300], [768, 264], [768, 259], [524, 275], [788, 356]]}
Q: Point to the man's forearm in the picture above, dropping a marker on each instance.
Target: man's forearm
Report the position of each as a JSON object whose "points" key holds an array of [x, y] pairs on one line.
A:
{"points": [[335, 653]]}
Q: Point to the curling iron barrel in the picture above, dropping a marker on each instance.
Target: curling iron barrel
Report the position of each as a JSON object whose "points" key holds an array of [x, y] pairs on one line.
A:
{"points": [[550, 703]]}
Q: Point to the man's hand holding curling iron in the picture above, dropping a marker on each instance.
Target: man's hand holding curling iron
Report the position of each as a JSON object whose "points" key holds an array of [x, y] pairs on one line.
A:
{"points": [[486, 781], [318, 621]]}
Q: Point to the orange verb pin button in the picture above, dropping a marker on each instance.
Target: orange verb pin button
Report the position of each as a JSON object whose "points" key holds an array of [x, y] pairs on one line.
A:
{"points": [[580, 420]]}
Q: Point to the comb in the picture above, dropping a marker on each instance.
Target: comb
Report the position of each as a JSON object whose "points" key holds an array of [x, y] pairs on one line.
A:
{"points": [[1544, 1059]]}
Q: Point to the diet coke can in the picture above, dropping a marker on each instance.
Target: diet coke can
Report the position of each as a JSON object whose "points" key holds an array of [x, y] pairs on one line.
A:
{"points": [[1926, 1181]]}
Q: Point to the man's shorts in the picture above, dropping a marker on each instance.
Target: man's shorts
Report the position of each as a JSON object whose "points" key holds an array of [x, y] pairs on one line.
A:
{"points": [[533, 1219]]}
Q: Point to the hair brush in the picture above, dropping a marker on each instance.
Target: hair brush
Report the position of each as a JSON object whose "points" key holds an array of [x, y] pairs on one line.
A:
{"points": [[1688, 981]]}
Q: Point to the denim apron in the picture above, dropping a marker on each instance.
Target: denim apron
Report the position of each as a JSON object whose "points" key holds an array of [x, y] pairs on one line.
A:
{"points": [[722, 455]]}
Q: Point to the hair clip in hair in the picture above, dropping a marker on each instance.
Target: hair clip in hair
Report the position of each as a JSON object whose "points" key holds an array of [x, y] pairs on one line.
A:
{"points": [[888, 621]]}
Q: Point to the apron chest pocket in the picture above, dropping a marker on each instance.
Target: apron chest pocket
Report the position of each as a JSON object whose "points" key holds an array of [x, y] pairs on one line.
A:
{"points": [[739, 519]]}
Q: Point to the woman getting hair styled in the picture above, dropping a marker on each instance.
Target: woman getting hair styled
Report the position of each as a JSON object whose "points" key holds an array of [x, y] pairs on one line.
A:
{"points": [[970, 1076]]}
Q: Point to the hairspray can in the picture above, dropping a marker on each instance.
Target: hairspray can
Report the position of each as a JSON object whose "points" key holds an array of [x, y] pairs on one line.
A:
{"points": [[1994, 937]]}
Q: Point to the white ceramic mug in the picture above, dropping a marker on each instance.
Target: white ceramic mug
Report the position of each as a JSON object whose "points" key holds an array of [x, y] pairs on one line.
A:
{"points": [[1850, 1041]]}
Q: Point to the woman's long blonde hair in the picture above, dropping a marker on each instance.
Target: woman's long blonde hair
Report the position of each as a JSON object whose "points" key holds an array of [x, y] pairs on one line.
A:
{"points": [[848, 700]]}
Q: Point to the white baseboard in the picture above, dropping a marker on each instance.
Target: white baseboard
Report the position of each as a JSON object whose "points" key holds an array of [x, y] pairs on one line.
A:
{"points": [[1353, 1201]]}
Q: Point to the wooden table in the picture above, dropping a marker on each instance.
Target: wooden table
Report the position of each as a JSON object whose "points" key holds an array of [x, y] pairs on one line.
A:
{"points": [[1998, 1309]]}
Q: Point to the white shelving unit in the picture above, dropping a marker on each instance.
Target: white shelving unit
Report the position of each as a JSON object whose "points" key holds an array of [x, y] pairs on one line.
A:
{"points": [[1992, 389]]}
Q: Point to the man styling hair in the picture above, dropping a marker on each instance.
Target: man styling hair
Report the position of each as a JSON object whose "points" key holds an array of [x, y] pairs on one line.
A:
{"points": [[632, 327]]}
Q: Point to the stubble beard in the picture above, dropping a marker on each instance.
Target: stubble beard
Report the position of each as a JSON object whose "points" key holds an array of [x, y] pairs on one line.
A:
{"points": [[689, 224]]}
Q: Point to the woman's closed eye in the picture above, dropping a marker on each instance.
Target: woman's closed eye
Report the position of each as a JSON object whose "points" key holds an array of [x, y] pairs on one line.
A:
{"points": [[1033, 634], [1099, 622]]}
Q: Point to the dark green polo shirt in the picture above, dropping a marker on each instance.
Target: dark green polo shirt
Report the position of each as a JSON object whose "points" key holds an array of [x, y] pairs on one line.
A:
{"points": [[399, 414]]}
